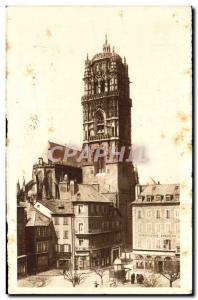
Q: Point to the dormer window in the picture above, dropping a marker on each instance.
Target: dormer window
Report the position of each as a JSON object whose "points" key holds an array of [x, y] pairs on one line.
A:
{"points": [[168, 197], [148, 198], [158, 198], [80, 209], [78, 197], [99, 120]]}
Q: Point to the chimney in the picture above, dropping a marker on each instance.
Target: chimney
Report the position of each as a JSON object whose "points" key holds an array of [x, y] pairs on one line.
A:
{"points": [[73, 186]]}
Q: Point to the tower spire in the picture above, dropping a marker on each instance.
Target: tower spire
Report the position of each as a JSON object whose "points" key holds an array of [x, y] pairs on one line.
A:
{"points": [[106, 46], [106, 40]]}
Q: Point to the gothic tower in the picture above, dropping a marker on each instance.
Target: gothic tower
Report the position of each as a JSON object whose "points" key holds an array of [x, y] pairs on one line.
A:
{"points": [[107, 131]]}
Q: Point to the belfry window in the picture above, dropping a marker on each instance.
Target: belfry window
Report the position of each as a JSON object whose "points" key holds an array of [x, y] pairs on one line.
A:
{"points": [[96, 87], [102, 86], [99, 122], [99, 163]]}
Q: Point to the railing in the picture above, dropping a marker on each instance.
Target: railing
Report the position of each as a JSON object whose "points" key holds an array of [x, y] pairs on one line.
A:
{"points": [[99, 231], [98, 246], [98, 96], [80, 248], [99, 137]]}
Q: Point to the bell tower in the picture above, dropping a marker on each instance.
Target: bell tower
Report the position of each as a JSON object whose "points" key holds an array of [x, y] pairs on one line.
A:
{"points": [[107, 130]]}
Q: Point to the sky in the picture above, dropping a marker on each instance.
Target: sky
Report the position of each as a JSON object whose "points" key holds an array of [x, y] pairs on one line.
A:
{"points": [[46, 50]]}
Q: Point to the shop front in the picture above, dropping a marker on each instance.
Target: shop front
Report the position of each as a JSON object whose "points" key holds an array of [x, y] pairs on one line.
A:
{"points": [[82, 261], [21, 266], [42, 262], [63, 261]]}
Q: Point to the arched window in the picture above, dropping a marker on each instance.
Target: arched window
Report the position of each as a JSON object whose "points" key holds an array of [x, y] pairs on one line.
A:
{"points": [[39, 181], [96, 87], [148, 262], [99, 119], [158, 264], [108, 84], [99, 163], [102, 86], [168, 265], [139, 262], [48, 185]]}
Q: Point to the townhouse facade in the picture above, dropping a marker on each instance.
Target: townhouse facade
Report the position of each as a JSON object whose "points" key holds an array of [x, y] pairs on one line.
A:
{"points": [[40, 240], [21, 241], [98, 229], [156, 227]]}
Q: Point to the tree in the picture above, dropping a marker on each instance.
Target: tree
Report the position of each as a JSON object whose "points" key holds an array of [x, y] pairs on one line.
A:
{"points": [[171, 271], [100, 273], [74, 277], [171, 276], [151, 280]]}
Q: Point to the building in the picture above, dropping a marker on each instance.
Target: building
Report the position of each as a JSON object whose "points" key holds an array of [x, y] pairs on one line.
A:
{"points": [[62, 217], [40, 240], [88, 227], [107, 130], [46, 176], [156, 226], [98, 228], [21, 241]]}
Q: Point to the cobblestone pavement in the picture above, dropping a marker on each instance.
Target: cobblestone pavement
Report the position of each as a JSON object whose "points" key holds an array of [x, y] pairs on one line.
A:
{"points": [[55, 278]]}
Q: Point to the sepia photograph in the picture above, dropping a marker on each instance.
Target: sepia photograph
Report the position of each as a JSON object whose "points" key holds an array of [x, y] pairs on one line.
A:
{"points": [[99, 150]]}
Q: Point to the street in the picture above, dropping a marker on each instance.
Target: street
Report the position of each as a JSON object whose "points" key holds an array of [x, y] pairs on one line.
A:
{"points": [[55, 278]]}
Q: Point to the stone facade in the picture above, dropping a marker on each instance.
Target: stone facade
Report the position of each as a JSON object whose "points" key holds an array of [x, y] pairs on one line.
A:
{"points": [[40, 240], [88, 227], [156, 226], [21, 242], [98, 232]]}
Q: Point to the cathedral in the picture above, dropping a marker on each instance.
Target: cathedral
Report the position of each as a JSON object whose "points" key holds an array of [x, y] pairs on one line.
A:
{"points": [[88, 201]]}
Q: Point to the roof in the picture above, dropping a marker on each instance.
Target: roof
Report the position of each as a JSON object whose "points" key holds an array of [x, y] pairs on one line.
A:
{"points": [[105, 55], [57, 206], [35, 218], [43, 209], [89, 193], [160, 189], [60, 154], [151, 181]]}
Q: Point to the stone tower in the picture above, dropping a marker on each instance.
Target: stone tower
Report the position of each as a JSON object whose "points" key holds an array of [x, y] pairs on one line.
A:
{"points": [[107, 131]]}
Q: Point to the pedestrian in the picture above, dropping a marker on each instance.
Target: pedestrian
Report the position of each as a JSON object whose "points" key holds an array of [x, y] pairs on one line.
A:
{"points": [[132, 278], [96, 284], [64, 271], [137, 278], [142, 279]]}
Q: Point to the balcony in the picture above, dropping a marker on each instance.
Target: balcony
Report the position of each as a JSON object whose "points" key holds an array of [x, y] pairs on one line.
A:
{"points": [[100, 136], [99, 96], [101, 245], [82, 248], [99, 231]]}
